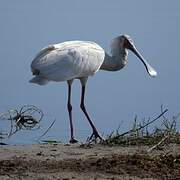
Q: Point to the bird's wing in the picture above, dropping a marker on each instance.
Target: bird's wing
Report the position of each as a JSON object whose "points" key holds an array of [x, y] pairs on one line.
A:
{"points": [[44, 51], [37, 60], [67, 61]]}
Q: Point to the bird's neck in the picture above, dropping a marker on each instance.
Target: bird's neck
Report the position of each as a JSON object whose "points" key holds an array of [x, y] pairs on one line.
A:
{"points": [[116, 61]]}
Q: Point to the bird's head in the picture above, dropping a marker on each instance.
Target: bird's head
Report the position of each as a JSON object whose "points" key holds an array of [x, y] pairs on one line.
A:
{"points": [[125, 42]]}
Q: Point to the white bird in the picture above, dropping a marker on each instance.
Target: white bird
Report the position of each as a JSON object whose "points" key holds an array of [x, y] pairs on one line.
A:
{"points": [[78, 60]]}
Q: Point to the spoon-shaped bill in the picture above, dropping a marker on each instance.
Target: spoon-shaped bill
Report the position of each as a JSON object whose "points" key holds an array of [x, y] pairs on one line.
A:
{"points": [[148, 67]]}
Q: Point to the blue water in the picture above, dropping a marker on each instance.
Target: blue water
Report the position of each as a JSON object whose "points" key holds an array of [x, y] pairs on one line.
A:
{"points": [[60, 132]]}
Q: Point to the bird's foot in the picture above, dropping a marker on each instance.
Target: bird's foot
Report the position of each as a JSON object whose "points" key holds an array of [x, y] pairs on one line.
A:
{"points": [[72, 140], [94, 136]]}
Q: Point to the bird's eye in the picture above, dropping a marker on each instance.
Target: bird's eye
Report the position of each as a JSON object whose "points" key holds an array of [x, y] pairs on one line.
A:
{"points": [[126, 43]]}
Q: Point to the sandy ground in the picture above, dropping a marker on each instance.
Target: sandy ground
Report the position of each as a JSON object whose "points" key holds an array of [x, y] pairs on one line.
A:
{"points": [[75, 161]]}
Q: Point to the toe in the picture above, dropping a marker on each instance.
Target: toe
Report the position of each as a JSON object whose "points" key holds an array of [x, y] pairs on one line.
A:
{"points": [[72, 140]]}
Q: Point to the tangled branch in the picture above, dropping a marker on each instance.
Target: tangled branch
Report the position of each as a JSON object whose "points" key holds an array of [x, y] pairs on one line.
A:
{"points": [[27, 118]]}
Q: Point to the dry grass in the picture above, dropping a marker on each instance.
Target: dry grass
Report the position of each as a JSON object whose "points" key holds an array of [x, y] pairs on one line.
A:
{"points": [[141, 135]]}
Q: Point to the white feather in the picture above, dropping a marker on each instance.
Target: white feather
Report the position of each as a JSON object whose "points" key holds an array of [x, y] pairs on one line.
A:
{"points": [[39, 80]]}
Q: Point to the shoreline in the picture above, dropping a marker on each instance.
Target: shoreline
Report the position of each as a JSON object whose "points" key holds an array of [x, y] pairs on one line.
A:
{"points": [[77, 161]]}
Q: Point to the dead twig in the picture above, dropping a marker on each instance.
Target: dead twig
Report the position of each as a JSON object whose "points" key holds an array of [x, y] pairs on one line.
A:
{"points": [[158, 144], [46, 130]]}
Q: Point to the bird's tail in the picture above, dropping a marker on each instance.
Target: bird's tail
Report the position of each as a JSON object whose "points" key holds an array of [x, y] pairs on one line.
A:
{"points": [[39, 80]]}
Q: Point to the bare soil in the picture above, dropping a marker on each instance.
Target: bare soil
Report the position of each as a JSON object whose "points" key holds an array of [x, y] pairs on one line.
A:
{"points": [[64, 161]]}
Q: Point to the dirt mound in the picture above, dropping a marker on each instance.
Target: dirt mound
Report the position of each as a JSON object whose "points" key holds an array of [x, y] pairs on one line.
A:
{"points": [[114, 165]]}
